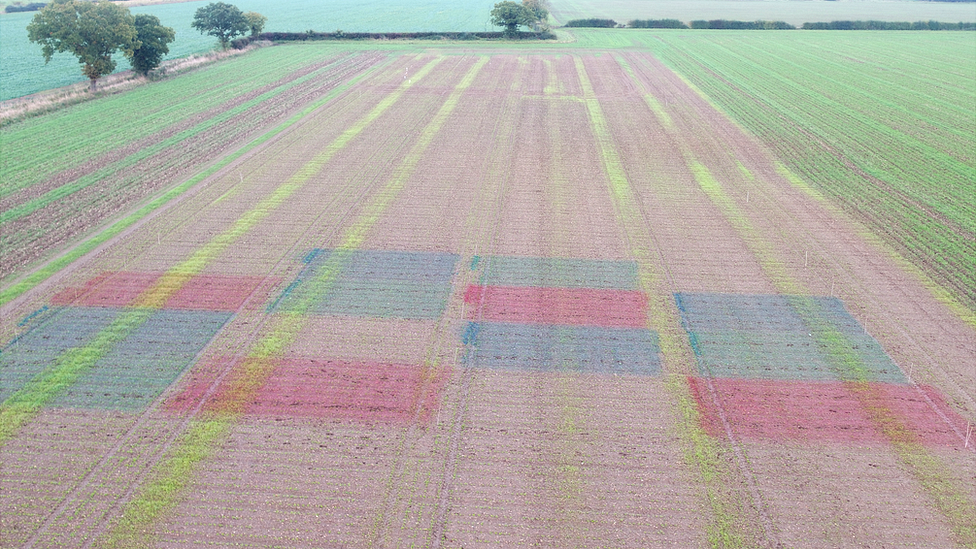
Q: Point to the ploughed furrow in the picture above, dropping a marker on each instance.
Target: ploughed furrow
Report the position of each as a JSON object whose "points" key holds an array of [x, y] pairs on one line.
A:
{"points": [[44, 218]]}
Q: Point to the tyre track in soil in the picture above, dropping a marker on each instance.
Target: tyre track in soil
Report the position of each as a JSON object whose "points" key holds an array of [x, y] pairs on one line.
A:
{"points": [[350, 234], [478, 236], [732, 524], [79, 495], [926, 468], [29, 238]]}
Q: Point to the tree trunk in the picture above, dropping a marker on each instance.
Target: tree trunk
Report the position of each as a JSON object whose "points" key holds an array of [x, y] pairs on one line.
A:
{"points": [[92, 88]]}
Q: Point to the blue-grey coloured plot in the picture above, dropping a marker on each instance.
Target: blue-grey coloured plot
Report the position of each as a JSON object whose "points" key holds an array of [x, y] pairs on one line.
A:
{"points": [[554, 348], [554, 272], [52, 334], [780, 337], [371, 283], [145, 363]]}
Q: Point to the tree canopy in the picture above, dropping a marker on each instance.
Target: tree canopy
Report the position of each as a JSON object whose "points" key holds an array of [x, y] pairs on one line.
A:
{"points": [[512, 15], [255, 21], [92, 31], [154, 41], [222, 21]]}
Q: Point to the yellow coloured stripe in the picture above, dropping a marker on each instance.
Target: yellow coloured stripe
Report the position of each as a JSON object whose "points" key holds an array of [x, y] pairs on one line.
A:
{"points": [[203, 435], [23, 405], [948, 498], [726, 527], [176, 277]]}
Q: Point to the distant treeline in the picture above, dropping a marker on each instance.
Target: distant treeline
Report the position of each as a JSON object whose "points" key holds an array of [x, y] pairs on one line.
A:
{"points": [[772, 25], [889, 25], [340, 35], [33, 6], [741, 25], [594, 23], [657, 24]]}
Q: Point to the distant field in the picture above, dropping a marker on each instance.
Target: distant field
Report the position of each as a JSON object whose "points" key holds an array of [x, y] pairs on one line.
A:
{"points": [[881, 123], [792, 11], [23, 72]]}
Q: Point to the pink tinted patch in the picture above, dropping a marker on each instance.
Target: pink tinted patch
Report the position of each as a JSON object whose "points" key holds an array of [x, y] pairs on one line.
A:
{"points": [[572, 306], [108, 290], [925, 413], [201, 379], [206, 292], [820, 412], [359, 391], [210, 292], [784, 410]]}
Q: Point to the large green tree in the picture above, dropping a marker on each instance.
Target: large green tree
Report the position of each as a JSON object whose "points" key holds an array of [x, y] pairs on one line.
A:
{"points": [[154, 41], [255, 21], [92, 31], [512, 15], [222, 21], [540, 12]]}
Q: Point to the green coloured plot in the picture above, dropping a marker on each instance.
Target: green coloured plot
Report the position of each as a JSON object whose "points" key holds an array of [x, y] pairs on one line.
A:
{"points": [[130, 375], [546, 272], [372, 283], [778, 337]]}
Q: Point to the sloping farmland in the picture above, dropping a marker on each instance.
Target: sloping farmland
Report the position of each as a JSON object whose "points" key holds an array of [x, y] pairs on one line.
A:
{"points": [[490, 299]]}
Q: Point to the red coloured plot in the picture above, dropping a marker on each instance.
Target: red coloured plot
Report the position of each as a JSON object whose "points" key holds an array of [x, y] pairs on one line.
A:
{"points": [[205, 292], [202, 379], [821, 412], [359, 391], [210, 292], [571, 306], [924, 412], [108, 290]]}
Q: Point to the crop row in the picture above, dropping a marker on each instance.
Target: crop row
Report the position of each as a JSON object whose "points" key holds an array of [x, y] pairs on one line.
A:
{"points": [[72, 203], [912, 194]]}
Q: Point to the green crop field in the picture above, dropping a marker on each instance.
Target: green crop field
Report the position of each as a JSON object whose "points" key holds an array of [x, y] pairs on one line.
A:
{"points": [[22, 69], [880, 122]]}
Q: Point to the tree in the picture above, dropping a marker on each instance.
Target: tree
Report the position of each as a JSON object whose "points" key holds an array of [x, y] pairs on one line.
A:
{"points": [[92, 31], [222, 21], [255, 22], [511, 16], [539, 10], [153, 39]]}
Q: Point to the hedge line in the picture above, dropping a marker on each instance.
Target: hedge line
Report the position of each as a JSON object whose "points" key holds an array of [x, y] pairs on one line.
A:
{"points": [[340, 35]]}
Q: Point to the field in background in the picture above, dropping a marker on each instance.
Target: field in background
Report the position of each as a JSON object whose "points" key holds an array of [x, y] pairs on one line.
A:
{"points": [[879, 122], [795, 12], [485, 295], [23, 72]]}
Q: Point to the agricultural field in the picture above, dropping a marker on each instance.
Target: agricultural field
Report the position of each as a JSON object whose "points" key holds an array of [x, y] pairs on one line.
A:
{"points": [[488, 295], [23, 72], [795, 12]]}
